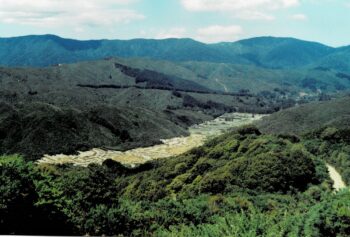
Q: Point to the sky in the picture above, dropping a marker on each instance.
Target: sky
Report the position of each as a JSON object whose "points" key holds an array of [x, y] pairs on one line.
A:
{"points": [[209, 21]]}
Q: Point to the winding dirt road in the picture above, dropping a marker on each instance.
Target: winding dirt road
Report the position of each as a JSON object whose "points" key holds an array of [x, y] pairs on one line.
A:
{"points": [[336, 177], [221, 84]]}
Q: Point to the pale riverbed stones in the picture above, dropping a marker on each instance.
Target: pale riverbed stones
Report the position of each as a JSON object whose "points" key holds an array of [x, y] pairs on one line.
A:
{"points": [[170, 147]]}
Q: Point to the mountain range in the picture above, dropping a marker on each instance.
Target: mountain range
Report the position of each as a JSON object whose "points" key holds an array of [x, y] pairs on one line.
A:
{"points": [[267, 52], [272, 178], [46, 81], [114, 103]]}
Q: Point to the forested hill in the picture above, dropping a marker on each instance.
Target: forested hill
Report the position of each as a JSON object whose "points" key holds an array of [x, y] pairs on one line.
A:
{"points": [[308, 117], [242, 182], [108, 103], [271, 52]]}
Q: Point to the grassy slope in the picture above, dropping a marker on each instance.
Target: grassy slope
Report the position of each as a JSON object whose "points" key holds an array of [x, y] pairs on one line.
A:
{"points": [[67, 77], [237, 76]]}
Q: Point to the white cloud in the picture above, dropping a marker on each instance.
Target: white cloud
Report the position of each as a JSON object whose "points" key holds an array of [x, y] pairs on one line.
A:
{"points": [[208, 34], [218, 33], [172, 33], [234, 5], [299, 17], [70, 13], [246, 9], [254, 15]]}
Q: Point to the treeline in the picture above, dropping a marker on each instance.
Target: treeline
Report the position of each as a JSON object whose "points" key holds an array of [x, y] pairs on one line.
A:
{"points": [[112, 86], [154, 79], [270, 106]]}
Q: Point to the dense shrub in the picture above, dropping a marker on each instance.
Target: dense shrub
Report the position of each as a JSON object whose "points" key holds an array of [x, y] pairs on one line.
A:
{"points": [[19, 213], [249, 129], [237, 160], [238, 184], [333, 145], [330, 218]]}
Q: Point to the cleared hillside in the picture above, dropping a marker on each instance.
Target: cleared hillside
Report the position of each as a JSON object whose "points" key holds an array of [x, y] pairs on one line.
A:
{"points": [[132, 83]]}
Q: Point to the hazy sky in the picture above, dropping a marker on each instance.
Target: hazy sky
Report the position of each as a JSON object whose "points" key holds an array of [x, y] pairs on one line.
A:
{"points": [[326, 21]]}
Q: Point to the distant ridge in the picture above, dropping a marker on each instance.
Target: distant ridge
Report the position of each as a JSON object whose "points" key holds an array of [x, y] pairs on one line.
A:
{"points": [[268, 52], [47, 50], [275, 52]]}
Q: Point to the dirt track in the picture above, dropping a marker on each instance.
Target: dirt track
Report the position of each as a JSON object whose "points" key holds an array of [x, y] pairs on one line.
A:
{"points": [[336, 177]]}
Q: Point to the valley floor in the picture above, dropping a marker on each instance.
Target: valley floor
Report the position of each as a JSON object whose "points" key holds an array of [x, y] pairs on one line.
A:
{"points": [[169, 147]]}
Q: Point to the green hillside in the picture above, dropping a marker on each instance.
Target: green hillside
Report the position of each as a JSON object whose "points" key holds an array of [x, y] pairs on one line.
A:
{"points": [[171, 96], [240, 184], [111, 103], [257, 64], [339, 60], [274, 52], [324, 128], [232, 77], [270, 52], [221, 77], [267, 179], [48, 50], [35, 129], [308, 117]]}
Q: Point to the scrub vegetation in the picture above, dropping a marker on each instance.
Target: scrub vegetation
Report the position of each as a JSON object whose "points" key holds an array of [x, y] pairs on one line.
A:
{"points": [[242, 183]]}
